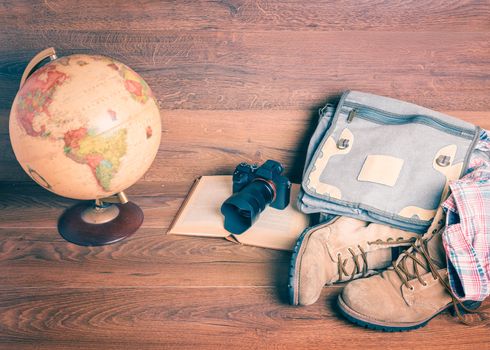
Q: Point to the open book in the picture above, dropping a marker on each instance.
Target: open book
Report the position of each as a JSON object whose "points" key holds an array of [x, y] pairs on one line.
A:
{"points": [[200, 215]]}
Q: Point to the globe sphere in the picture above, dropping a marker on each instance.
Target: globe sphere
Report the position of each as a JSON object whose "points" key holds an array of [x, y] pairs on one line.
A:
{"points": [[85, 126]]}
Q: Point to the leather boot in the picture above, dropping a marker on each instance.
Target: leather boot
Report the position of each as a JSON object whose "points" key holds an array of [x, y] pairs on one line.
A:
{"points": [[406, 296], [341, 250]]}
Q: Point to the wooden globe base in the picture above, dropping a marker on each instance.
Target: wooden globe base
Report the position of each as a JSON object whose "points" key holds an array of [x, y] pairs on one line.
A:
{"points": [[73, 225]]}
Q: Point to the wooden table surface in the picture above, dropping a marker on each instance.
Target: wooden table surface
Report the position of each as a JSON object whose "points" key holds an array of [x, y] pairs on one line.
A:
{"points": [[236, 81]]}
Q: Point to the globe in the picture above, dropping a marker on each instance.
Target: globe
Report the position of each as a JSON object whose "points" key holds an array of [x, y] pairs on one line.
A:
{"points": [[85, 126]]}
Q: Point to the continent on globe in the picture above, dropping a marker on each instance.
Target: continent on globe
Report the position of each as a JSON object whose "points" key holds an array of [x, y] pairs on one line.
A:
{"points": [[102, 152], [135, 85], [36, 97]]}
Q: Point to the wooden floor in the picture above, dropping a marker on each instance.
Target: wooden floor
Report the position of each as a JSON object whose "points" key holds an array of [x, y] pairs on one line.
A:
{"points": [[235, 81]]}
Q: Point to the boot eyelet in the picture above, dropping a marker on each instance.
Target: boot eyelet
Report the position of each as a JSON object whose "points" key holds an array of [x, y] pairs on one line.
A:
{"points": [[411, 288]]}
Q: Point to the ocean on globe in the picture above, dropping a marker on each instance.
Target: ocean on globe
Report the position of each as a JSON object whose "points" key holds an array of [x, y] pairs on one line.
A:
{"points": [[85, 126]]}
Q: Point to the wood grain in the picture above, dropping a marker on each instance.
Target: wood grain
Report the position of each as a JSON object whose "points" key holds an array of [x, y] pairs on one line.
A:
{"points": [[236, 80], [41, 208], [148, 258], [276, 69], [150, 244], [246, 15], [217, 318]]}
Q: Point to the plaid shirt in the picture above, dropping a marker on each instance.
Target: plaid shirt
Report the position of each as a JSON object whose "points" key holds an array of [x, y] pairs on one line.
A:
{"points": [[466, 238]]}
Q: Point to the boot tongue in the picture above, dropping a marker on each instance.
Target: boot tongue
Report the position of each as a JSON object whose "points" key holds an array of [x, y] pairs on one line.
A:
{"points": [[436, 249]]}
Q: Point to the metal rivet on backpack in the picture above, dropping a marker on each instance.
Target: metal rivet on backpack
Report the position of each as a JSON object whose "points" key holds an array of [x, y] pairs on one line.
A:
{"points": [[351, 115], [443, 160], [342, 143]]}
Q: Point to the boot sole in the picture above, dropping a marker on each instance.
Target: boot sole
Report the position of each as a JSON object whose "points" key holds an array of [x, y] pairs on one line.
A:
{"points": [[293, 282], [363, 321], [293, 277]]}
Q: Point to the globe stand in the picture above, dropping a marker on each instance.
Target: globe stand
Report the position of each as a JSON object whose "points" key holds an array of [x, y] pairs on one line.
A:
{"points": [[104, 221]]}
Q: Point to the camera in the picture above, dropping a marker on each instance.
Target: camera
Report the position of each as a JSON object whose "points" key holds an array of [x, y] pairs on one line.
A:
{"points": [[254, 188]]}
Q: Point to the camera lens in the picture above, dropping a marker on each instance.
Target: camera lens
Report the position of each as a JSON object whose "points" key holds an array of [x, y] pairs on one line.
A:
{"points": [[244, 213], [243, 208]]}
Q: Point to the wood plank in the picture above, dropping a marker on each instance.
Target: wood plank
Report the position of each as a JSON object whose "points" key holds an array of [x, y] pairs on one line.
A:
{"points": [[270, 70], [201, 142], [149, 274], [217, 318], [239, 15], [148, 244], [149, 258]]}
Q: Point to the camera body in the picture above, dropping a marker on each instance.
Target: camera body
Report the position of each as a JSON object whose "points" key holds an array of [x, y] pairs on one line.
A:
{"points": [[254, 188], [270, 173]]}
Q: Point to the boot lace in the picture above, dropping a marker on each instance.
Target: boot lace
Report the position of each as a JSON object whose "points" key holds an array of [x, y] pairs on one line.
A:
{"points": [[362, 267], [417, 251]]}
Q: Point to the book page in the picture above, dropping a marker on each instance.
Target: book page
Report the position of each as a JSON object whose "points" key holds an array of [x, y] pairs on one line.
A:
{"points": [[201, 216], [201, 212]]}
